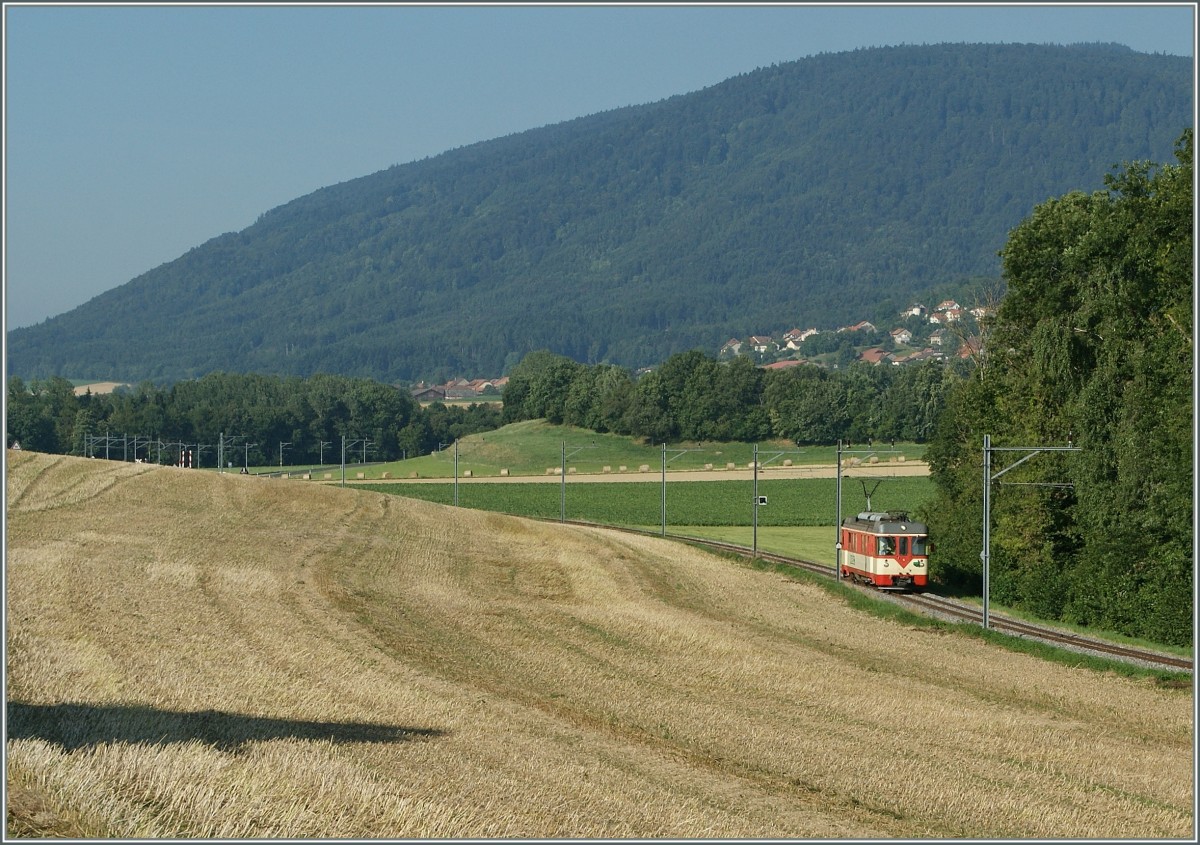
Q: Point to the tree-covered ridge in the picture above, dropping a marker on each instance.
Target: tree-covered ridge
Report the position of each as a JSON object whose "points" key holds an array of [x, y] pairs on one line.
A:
{"points": [[824, 191], [1093, 345]]}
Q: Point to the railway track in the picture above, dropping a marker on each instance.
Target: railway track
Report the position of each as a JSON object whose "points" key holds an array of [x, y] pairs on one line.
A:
{"points": [[931, 604], [935, 604]]}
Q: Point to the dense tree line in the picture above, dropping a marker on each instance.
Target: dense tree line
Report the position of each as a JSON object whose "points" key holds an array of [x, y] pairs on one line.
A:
{"points": [[694, 397], [820, 192], [260, 418], [1092, 345]]}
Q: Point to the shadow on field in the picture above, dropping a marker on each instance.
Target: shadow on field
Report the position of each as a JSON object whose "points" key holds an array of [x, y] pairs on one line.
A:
{"points": [[74, 726]]}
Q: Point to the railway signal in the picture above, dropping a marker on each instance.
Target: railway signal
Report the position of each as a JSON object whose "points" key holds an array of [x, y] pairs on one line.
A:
{"points": [[762, 500]]}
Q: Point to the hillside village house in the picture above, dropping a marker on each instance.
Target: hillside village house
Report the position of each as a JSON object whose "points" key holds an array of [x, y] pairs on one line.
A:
{"points": [[425, 393], [947, 312], [919, 355], [950, 315], [763, 345], [459, 388], [864, 326], [971, 347], [875, 355], [795, 337]]}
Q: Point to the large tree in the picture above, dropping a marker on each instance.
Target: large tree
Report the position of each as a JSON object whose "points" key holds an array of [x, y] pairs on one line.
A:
{"points": [[1092, 345]]}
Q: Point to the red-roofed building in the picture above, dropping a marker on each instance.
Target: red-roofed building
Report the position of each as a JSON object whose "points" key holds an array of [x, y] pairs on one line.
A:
{"points": [[875, 355]]}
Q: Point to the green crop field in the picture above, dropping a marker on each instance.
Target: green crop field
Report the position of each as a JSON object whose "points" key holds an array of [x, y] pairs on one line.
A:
{"points": [[790, 502], [535, 446]]}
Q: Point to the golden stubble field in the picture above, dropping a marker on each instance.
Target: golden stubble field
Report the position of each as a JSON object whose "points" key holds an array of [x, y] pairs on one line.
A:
{"points": [[215, 656]]}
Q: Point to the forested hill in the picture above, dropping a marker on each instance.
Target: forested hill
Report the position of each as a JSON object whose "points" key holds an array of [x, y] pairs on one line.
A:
{"points": [[814, 193]]}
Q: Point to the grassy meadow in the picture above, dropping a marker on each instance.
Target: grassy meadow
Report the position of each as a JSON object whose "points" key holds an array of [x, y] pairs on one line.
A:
{"points": [[196, 655]]}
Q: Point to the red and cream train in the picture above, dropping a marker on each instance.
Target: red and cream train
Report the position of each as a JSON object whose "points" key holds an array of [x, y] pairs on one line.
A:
{"points": [[884, 549]]}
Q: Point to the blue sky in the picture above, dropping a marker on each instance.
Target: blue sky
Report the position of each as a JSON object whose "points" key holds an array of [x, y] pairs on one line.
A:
{"points": [[134, 133]]}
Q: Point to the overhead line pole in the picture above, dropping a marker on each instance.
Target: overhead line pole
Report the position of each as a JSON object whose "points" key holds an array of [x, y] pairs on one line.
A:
{"points": [[754, 553], [230, 446], [562, 496], [665, 461], [837, 520], [351, 444], [757, 500], [988, 478]]}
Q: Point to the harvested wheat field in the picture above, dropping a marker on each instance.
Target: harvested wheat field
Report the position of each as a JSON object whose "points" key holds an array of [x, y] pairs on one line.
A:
{"points": [[219, 656]]}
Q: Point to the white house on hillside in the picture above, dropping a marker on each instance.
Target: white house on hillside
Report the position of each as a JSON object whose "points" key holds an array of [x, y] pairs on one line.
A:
{"points": [[795, 337], [949, 315], [763, 345]]}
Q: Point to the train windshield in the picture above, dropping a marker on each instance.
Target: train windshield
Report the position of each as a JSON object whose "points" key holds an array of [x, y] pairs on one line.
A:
{"points": [[918, 545]]}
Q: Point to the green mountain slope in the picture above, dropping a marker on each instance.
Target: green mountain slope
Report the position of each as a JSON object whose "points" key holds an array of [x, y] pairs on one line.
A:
{"points": [[818, 192]]}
